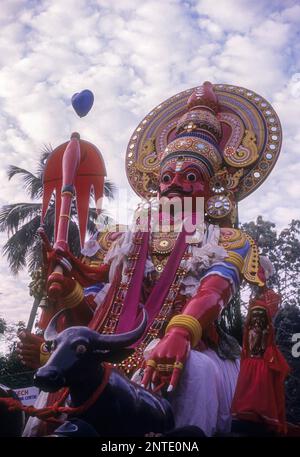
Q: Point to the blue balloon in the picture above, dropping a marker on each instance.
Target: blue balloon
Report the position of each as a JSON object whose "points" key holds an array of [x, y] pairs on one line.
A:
{"points": [[82, 102]]}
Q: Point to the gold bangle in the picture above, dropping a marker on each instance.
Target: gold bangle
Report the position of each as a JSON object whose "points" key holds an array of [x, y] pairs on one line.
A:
{"points": [[64, 215], [67, 193], [165, 367], [178, 365], [190, 323], [151, 363], [74, 297]]}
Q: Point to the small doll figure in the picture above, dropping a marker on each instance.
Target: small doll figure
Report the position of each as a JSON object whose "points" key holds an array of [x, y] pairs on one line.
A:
{"points": [[259, 395]]}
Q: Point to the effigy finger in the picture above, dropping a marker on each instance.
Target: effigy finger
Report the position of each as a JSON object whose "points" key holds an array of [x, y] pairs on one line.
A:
{"points": [[150, 364], [178, 367]]}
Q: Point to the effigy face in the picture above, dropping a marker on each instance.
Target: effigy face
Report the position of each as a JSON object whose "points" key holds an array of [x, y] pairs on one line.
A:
{"points": [[182, 178], [258, 332], [258, 319]]}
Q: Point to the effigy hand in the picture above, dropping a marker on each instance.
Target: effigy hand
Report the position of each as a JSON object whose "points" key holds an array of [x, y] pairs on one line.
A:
{"points": [[167, 359], [57, 264], [32, 350], [64, 259]]}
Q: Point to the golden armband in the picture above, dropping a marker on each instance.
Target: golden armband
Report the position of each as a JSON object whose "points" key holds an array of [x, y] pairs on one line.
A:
{"points": [[190, 323], [235, 259], [75, 297]]}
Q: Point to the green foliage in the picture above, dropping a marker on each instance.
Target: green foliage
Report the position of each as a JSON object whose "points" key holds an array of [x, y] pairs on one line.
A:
{"points": [[283, 250], [12, 372], [232, 319], [3, 326]]}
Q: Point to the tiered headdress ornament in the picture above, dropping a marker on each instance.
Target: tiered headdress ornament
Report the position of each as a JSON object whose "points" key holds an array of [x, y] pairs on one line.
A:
{"points": [[268, 301], [233, 133], [198, 133]]}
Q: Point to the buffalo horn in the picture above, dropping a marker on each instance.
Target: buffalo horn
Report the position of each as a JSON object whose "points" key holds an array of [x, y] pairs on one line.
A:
{"points": [[122, 340]]}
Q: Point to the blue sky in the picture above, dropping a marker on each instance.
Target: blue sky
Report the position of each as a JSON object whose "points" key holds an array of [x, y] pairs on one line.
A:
{"points": [[133, 55]]}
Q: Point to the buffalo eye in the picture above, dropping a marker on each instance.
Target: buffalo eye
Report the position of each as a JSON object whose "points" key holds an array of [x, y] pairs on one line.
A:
{"points": [[191, 177], [166, 178], [81, 349]]}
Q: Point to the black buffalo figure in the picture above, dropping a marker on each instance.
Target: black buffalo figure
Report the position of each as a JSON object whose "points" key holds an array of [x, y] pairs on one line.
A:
{"points": [[123, 408]]}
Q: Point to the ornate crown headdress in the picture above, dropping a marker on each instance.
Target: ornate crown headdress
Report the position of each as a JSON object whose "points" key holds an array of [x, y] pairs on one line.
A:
{"points": [[233, 132]]}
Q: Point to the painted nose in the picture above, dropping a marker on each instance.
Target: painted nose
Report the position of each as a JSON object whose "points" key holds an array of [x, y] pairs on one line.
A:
{"points": [[49, 379], [176, 180]]}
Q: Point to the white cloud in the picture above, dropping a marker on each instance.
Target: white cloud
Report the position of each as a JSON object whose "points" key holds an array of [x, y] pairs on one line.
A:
{"points": [[15, 302], [231, 15]]}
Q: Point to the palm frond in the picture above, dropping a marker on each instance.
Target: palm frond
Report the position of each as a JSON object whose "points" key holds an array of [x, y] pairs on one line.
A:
{"points": [[74, 239], [32, 184], [95, 220], [34, 257], [93, 214], [92, 218], [16, 247], [49, 223], [110, 189], [45, 153], [12, 216]]}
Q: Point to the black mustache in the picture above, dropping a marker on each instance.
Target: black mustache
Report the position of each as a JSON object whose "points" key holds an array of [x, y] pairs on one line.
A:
{"points": [[175, 189]]}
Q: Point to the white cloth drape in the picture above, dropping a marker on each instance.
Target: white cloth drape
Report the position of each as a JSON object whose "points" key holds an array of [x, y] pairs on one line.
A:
{"points": [[205, 392]]}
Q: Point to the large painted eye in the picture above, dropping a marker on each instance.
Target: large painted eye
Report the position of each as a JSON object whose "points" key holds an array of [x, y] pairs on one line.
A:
{"points": [[81, 349], [166, 178], [191, 177]]}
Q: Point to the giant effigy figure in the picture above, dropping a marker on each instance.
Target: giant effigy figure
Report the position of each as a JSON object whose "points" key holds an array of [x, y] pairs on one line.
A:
{"points": [[200, 152]]}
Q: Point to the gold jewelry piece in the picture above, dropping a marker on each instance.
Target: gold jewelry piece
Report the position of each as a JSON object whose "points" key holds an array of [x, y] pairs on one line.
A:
{"points": [[236, 259], [251, 263], [178, 365], [258, 307], [232, 238], [218, 206], [165, 367], [65, 215], [159, 262], [190, 323], [151, 363], [74, 297], [67, 193], [163, 243]]}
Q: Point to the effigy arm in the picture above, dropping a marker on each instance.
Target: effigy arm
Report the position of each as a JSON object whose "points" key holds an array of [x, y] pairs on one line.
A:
{"points": [[184, 331], [213, 294]]}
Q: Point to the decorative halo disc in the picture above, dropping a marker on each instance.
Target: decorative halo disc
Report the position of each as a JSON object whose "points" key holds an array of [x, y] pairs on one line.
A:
{"points": [[157, 129]]}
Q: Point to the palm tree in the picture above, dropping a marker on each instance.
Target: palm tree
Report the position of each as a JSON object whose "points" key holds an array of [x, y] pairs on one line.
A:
{"points": [[21, 221]]}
